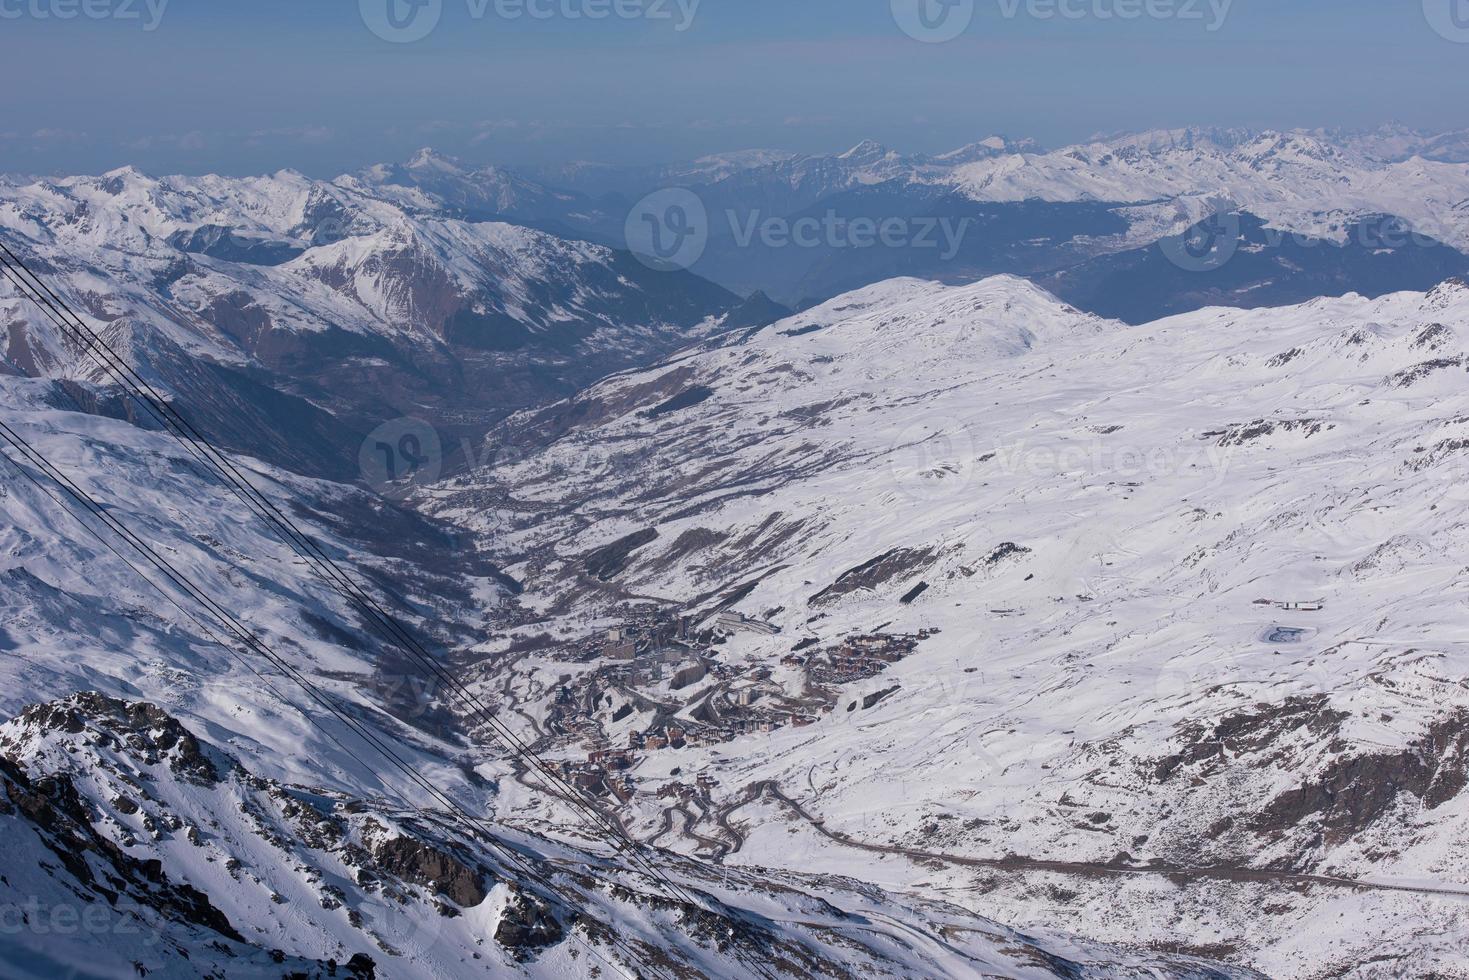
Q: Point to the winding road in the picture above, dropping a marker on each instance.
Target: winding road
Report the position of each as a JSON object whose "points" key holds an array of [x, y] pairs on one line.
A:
{"points": [[1082, 868]]}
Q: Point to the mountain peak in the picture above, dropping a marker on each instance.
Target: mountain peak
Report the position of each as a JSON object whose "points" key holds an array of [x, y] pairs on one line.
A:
{"points": [[866, 150], [988, 148], [128, 172], [428, 158], [117, 181]]}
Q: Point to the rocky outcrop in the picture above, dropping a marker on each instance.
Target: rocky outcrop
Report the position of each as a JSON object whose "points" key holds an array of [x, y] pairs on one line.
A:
{"points": [[607, 562], [527, 925], [874, 573], [1354, 792], [144, 729], [418, 862], [314, 868]]}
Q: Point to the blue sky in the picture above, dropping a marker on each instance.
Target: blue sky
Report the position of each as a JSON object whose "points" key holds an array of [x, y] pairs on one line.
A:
{"points": [[244, 87]]}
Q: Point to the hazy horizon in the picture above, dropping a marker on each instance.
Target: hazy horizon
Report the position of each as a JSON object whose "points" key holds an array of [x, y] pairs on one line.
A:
{"points": [[195, 86], [472, 157]]}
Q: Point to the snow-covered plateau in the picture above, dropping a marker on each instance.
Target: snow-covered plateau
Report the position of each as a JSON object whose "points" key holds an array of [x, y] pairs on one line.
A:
{"points": [[1156, 631]]}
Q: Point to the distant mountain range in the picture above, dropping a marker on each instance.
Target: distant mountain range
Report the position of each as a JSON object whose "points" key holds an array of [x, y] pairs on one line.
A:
{"points": [[1030, 211], [351, 301], [460, 294]]}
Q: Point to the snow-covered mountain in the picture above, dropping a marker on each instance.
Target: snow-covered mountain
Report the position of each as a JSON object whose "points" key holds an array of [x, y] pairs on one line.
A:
{"points": [[1295, 180], [961, 591], [1395, 142], [193, 821], [787, 186], [1150, 629], [776, 181], [203, 868], [1003, 206], [430, 181], [366, 300]]}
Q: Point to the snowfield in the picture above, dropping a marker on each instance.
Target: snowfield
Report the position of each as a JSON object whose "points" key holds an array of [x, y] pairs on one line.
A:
{"points": [[1197, 589], [192, 820], [1304, 183], [929, 608]]}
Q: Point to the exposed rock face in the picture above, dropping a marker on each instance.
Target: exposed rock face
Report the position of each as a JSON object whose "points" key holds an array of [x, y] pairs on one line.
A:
{"points": [[1255, 731], [291, 867], [417, 862], [1353, 792], [144, 729], [1339, 799], [53, 805], [878, 571], [605, 563], [527, 925]]}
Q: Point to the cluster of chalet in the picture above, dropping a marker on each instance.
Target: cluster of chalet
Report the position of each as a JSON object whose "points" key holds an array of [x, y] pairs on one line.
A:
{"points": [[857, 658], [657, 647], [684, 793], [654, 647], [668, 737], [599, 780]]}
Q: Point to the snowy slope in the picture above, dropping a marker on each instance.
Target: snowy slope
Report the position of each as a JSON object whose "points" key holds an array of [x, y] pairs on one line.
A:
{"points": [[317, 876], [1105, 525], [277, 849], [75, 617], [368, 301], [1298, 181], [63, 880]]}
